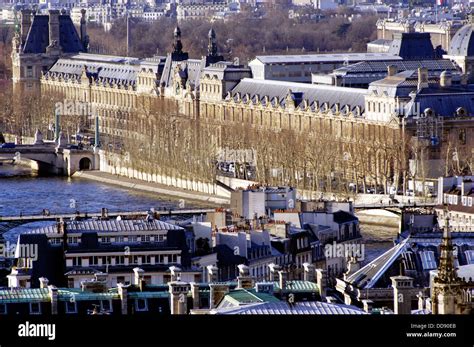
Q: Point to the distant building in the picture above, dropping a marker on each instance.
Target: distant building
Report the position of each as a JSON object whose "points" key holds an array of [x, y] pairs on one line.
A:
{"points": [[456, 202], [298, 68]]}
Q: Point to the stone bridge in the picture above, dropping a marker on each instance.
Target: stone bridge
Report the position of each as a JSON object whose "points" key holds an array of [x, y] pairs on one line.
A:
{"points": [[51, 158]]}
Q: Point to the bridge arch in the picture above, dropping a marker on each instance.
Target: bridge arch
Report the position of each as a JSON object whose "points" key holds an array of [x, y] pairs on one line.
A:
{"points": [[85, 164]]}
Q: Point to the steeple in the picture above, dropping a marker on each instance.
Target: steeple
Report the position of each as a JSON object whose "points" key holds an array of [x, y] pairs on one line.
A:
{"points": [[177, 45], [84, 36], [212, 46], [212, 55], [446, 271], [178, 54]]}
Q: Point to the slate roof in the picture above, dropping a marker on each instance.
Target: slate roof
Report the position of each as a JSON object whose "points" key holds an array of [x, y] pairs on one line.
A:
{"points": [[111, 225], [24, 295], [438, 66], [367, 276], [38, 35], [313, 93], [102, 68], [279, 308], [412, 46], [341, 217], [319, 58]]}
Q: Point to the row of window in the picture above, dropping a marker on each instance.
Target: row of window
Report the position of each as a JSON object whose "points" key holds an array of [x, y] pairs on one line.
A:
{"points": [[121, 260], [116, 239]]}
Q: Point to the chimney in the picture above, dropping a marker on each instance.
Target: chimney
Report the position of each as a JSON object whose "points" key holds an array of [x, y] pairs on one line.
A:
{"points": [[195, 295], [179, 297], [274, 272], [309, 272], [283, 277], [175, 273], [445, 79], [322, 282], [368, 305], [392, 70], [25, 24], [421, 300], [422, 77], [402, 287], [123, 293], [244, 280], [53, 296], [139, 281], [212, 273], [43, 282], [54, 29], [83, 28], [217, 293]]}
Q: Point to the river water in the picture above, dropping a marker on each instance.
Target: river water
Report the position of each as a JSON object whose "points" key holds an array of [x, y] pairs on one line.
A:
{"points": [[24, 193]]}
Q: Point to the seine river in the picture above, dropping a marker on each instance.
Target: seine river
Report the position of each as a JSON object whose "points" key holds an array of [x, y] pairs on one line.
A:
{"points": [[23, 193]]}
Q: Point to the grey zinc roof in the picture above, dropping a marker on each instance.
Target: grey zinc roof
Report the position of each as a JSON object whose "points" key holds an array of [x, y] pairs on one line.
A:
{"points": [[112, 225], [381, 66], [106, 67], [320, 58], [462, 42], [283, 308], [311, 92], [368, 276]]}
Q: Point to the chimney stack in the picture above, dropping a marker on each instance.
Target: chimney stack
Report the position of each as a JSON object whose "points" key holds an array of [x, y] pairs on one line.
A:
{"points": [[283, 278], [139, 281], [212, 273], [244, 280], [392, 70], [422, 77], [54, 45], [322, 282], [179, 297], [309, 272], [274, 272], [402, 287], [445, 79], [123, 293], [175, 273], [368, 305], [43, 282], [53, 295], [217, 293], [83, 28], [25, 24], [195, 295]]}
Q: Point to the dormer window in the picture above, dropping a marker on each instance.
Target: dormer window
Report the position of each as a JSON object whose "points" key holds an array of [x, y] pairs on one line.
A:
{"points": [[35, 308], [141, 305], [71, 306], [3, 309]]}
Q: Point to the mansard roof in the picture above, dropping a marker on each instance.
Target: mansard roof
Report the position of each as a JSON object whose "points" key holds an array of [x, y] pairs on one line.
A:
{"points": [[277, 92], [123, 70], [38, 35]]}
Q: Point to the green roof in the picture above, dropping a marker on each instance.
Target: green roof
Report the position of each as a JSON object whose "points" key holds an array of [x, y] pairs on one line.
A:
{"points": [[245, 296], [298, 287], [78, 295], [24, 295]]}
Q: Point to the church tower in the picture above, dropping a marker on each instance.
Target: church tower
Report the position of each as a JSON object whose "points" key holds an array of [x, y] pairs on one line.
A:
{"points": [[447, 292], [212, 56], [178, 54]]}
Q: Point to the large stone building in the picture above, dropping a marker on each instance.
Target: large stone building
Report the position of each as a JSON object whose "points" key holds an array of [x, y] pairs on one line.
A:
{"points": [[416, 114]]}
